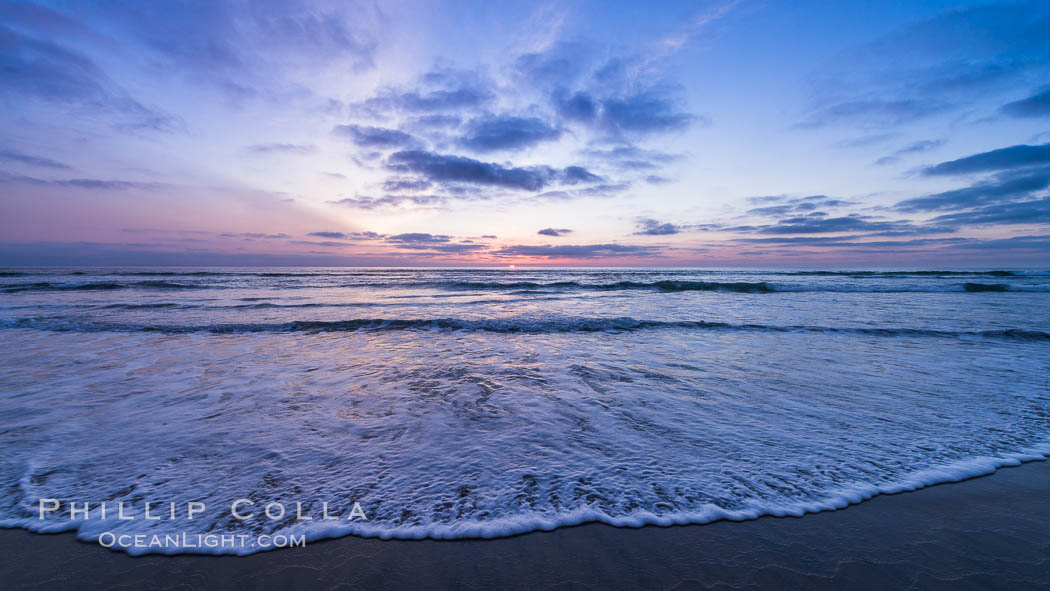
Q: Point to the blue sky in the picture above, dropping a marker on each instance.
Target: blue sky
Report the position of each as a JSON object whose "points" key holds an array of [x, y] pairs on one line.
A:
{"points": [[721, 133]]}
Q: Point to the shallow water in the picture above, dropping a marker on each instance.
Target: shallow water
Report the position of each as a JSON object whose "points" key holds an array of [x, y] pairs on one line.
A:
{"points": [[455, 403]]}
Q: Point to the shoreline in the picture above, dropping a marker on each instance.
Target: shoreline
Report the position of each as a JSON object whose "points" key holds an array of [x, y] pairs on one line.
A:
{"points": [[986, 532]]}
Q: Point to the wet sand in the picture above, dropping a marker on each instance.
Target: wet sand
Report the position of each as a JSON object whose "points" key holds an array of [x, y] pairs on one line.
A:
{"points": [[991, 532]]}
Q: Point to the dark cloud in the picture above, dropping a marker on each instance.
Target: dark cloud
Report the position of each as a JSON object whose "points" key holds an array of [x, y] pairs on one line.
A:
{"points": [[38, 161], [646, 112], [448, 168], [1024, 212], [400, 185], [344, 236], [435, 121], [651, 227], [282, 148], [578, 106], [1006, 186], [488, 134], [435, 243], [442, 168], [1002, 159], [374, 137], [581, 251], [1037, 105], [419, 238], [252, 235], [572, 175], [1036, 243], [822, 225], [655, 179], [771, 210], [853, 241], [554, 232], [794, 205], [610, 97]]}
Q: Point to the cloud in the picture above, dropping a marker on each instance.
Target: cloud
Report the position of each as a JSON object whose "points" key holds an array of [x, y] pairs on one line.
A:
{"points": [[435, 121], [488, 134], [1037, 105], [1006, 186], [80, 183], [620, 97], [436, 243], [419, 238], [572, 175], [365, 202], [244, 50], [442, 168], [651, 111], [651, 227], [328, 234], [578, 106], [442, 90], [38, 161], [1024, 212], [913, 148], [282, 148], [1001, 159], [44, 70], [561, 64], [630, 157], [554, 232], [793, 204], [949, 62], [581, 251], [1037, 243], [449, 168], [822, 225], [375, 137], [398, 185]]}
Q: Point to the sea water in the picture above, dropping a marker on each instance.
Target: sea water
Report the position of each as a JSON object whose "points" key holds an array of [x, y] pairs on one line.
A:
{"points": [[453, 403]]}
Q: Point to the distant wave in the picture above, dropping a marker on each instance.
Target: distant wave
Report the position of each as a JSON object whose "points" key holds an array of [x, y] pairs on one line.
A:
{"points": [[499, 325], [96, 286], [907, 273], [526, 287], [666, 285]]}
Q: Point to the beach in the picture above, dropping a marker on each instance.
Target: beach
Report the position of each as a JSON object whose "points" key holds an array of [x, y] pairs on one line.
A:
{"points": [[989, 532]]}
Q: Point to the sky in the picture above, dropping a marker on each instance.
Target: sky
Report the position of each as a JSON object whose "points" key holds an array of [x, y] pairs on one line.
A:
{"points": [[721, 133]]}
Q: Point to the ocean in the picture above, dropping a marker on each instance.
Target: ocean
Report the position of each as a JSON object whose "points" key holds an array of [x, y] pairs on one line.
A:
{"points": [[464, 403]]}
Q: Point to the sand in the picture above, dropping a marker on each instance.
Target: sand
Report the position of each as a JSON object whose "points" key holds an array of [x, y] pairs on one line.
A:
{"points": [[991, 532]]}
